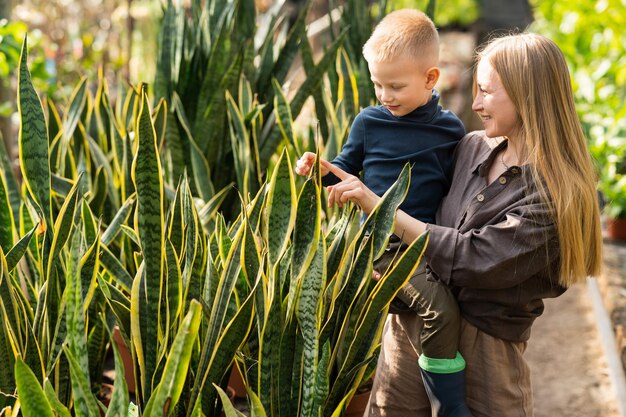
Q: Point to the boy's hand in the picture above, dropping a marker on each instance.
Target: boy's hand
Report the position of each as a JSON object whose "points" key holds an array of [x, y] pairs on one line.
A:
{"points": [[304, 165]]}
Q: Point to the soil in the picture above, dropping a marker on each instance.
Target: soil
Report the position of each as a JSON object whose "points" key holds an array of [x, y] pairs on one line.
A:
{"points": [[568, 368]]}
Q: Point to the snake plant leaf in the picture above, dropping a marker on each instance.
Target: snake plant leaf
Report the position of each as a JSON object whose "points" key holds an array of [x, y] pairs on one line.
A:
{"points": [[370, 320], [321, 378], [229, 409], [174, 144], [256, 408], [101, 160], [172, 381], [306, 234], [348, 88], [208, 211], [217, 319], [168, 40], [61, 185], [13, 193], [33, 402], [16, 252], [118, 405], [233, 335], [54, 120], [78, 100], [149, 222], [33, 140], [283, 116], [160, 122], [84, 401], [382, 218], [308, 308], [58, 407], [7, 222], [287, 54], [64, 223], [120, 218], [74, 309], [281, 208], [200, 164], [119, 304], [174, 288], [120, 274]]}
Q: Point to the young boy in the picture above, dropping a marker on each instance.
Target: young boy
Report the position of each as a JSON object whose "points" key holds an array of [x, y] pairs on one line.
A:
{"points": [[410, 126]]}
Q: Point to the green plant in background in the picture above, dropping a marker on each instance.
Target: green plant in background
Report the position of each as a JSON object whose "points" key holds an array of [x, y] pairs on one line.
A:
{"points": [[215, 48], [590, 34]]}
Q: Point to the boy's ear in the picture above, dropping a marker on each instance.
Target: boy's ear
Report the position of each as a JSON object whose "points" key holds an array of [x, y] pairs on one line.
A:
{"points": [[432, 76]]}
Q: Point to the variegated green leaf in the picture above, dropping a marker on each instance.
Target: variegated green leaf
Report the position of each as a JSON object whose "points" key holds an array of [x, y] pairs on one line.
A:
{"points": [[58, 407], [84, 401], [17, 251], [120, 218], [308, 318], [118, 405], [172, 380], [33, 139], [33, 402], [7, 222], [229, 409], [149, 222], [78, 100], [281, 208], [283, 116]]}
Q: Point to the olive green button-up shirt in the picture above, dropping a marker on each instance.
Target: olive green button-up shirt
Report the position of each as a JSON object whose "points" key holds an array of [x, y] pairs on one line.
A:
{"points": [[494, 244]]}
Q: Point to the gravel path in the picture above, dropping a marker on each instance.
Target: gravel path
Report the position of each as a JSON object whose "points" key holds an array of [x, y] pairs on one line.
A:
{"points": [[569, 372]]}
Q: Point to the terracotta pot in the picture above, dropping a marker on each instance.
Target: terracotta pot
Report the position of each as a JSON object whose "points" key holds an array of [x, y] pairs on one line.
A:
{"points": [[357, 405], [616, 229], [127, 359], [237, 383]]}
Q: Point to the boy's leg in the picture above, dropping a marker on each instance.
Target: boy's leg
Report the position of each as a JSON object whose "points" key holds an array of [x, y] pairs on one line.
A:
{"points": [[441, 366]]}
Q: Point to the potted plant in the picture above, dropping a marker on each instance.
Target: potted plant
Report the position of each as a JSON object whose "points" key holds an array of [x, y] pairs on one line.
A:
{"points": [[612, 184]]}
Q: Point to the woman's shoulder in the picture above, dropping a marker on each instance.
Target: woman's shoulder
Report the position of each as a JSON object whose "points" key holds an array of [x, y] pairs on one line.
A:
{"points": [[478, 140]]}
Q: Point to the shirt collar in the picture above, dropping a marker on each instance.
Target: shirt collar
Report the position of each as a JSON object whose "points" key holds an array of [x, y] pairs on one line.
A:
{"points": [[482, 166]]}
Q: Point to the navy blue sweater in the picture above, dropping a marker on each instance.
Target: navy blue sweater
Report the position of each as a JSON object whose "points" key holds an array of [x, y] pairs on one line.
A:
{"points": [[380, 144]]}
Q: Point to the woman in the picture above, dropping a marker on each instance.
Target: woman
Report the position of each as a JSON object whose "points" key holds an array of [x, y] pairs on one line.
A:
{"points": [[520, 224]]}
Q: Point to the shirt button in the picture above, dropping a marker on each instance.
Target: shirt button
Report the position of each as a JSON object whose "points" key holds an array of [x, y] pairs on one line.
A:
{"points": [[514, 170], [502, 180], [480, 197]]}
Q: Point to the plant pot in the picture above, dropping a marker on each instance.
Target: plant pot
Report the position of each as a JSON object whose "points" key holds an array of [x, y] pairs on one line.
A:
{"points": [[237, 383], [357, 405], [616, 229], [127, 359]]}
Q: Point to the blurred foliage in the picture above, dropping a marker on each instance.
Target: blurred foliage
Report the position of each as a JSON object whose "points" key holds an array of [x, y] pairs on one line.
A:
{"points": [[590, 33], [449, 13], [79, 37], [11, 35]]}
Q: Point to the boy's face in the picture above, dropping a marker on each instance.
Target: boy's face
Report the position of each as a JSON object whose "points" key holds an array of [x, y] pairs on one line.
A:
{"points": [[402, 84]]}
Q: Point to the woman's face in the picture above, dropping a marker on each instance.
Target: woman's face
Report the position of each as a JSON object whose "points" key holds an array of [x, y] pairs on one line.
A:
{"points": [[493, 104]]}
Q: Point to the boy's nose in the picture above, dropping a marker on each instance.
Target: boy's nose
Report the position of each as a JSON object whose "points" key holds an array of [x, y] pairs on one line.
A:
{"points": [[385, 97]]}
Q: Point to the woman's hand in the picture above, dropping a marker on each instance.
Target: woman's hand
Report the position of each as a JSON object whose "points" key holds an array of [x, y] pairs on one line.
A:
{"points": [[349, 189]]}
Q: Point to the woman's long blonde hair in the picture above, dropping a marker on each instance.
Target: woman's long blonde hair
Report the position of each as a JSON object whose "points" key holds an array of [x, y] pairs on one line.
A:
{"points": [[535, 75]]}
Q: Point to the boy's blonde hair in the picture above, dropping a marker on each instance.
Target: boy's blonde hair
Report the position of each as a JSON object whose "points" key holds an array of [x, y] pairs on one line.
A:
{"points": [[535, 75], [407, 32]]}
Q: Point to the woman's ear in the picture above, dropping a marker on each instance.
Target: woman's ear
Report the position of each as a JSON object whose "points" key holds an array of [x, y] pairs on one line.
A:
{"points": [[432, 76]]}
